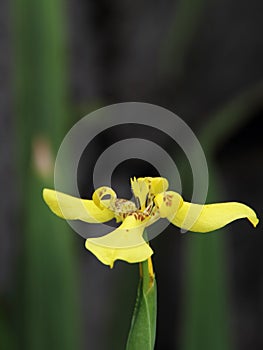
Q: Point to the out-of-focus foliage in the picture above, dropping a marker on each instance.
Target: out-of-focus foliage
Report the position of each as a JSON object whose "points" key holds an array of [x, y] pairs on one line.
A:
{"points": [[206, 284], [46, 311]]}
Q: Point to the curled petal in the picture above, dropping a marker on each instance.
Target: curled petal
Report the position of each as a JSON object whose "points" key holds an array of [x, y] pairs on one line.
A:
{"points": [[102, 192], [73, 208], [125, 243], [210, 217]]}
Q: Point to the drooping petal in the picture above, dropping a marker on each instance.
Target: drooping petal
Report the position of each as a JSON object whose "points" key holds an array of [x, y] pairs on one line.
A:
{"points": [[125, 243], [210, 217], [73, 208]]}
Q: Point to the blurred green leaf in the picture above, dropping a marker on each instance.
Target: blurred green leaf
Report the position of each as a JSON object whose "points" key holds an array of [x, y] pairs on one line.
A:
{"points": [[229, 118], [7, 340], [206, 313], [143, 325], [47, 312], [187, 19]]}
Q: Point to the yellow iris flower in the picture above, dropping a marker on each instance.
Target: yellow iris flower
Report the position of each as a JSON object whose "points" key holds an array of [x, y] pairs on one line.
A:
{"points": [[153, 202]]}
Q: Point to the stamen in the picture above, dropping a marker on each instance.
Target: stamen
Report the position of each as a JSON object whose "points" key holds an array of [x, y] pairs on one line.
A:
{"points": [[137, 202]]}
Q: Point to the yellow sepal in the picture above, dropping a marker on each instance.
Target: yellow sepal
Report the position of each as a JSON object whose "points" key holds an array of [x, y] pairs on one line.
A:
{"points": [[125, 243], [73, 208], [210, 217]]}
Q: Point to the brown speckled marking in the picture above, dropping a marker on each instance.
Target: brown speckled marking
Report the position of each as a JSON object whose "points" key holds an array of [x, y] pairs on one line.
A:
{"points": [[140, 216], [168, 200]]}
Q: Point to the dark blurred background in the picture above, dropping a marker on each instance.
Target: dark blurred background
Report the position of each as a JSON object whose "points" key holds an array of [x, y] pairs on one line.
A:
{"points": [[59, 61]]}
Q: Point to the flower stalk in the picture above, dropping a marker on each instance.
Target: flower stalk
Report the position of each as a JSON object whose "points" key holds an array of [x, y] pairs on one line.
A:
{"points": [[143, 325]]}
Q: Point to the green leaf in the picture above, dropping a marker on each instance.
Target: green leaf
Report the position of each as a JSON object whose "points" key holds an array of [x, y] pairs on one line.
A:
{"points": [[143, 325]]}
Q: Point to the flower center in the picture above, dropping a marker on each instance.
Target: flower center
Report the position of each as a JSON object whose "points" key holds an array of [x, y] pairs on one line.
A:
{"points": [[123, 208], [105, 197]]}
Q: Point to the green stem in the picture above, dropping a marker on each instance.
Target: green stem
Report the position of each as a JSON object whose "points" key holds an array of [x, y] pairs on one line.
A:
{"points": [[143, 326]]}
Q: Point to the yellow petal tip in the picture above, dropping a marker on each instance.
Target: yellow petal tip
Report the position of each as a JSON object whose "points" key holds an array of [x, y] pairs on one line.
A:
{"points": [[254, 220], [44, 192]]}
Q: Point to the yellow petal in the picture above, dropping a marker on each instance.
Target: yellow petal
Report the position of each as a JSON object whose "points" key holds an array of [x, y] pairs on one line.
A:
{"points": [[73, 208], [125, 243], [210, 217], [168, 203], [140, 190]]}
